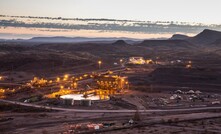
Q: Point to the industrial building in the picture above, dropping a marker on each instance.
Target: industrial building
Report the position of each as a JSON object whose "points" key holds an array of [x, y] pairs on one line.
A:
{"points": [[112, 83], [136, 60], [106, 85]]}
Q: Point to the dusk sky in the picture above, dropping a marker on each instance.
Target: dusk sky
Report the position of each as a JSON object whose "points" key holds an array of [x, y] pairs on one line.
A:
{"points": [[191, 11]]}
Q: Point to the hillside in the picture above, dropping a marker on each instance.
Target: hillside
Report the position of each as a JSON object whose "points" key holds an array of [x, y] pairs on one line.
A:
{"points": [[178, 37], [166, 43], [120, 42], [205, 37]]}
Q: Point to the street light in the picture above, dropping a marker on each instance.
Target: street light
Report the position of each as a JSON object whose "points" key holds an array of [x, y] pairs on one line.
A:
{"points": [[121, 62], [66, 76], [75, 85], [58, 79], [189, 66], [99, 64]]}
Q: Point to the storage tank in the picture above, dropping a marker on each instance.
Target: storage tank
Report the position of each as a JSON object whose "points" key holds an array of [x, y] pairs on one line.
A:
{"points": [[86, 102], [68, 101]]}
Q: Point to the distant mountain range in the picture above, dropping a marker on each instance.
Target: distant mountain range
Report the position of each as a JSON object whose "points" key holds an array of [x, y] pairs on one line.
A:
{"points": [[74, 39], [61, 39], [206, 37]]}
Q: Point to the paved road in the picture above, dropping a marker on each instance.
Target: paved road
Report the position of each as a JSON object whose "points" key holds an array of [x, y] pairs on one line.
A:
{"points": [[101, 71], [110, 111], [104, 71], [9, 84], [116, 70]]}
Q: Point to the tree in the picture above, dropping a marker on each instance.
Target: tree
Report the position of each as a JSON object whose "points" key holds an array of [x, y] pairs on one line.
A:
{"points": [[136, 116]]}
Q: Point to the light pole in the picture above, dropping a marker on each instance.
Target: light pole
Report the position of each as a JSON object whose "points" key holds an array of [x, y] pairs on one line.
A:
{"points": [[121, 62], [99, 64]]}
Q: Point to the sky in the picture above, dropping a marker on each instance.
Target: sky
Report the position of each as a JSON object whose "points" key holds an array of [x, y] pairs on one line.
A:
{"points": [[194, 11]]}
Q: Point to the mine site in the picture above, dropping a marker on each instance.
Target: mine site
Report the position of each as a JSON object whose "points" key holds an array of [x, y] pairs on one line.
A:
{"points": [[127, 87], [110, 67]]}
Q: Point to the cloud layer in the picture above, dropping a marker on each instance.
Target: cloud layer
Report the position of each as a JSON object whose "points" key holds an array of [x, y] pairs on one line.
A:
{"points": [[60, 24]]}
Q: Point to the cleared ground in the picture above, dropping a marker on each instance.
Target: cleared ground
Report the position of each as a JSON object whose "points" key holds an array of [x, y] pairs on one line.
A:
{"points": [[151, 87]]}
